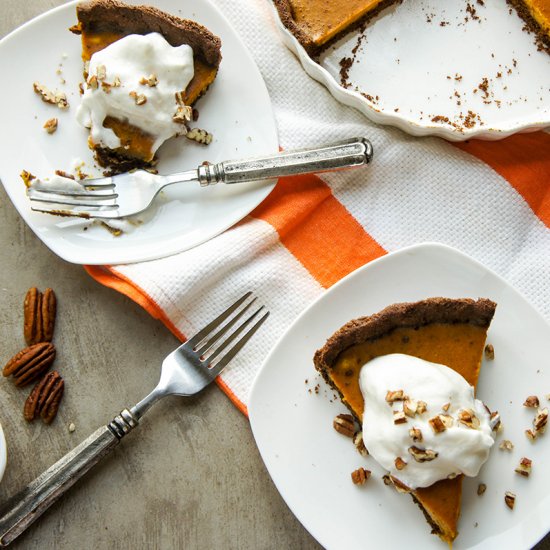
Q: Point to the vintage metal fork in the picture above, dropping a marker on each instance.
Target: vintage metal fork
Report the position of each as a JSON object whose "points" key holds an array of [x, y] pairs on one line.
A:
{"points": [[185, 371], [131, 193]]}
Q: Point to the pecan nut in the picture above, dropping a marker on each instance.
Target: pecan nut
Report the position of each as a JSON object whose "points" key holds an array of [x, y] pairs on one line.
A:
{"points": [[49, 310], [30, 363], [360, 476], [45, 398], [39, 315], [344, 424]]}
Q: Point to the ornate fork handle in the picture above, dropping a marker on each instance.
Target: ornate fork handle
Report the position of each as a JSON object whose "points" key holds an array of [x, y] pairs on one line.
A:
{"points": [[352, 152], [29, 504]]}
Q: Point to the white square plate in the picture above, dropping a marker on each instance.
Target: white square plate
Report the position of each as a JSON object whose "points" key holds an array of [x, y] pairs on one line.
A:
{"points": [[311, 463], [236, 110]]}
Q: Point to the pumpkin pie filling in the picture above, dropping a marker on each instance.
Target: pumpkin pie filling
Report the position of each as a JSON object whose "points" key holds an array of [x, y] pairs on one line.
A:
{"points": [[101, 23], [439, 330]]}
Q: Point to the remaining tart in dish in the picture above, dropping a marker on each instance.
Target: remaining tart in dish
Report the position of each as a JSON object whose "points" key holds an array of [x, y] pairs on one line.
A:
{"points": [[536, 14], [319, 23], [144, 71], [450, 332]]}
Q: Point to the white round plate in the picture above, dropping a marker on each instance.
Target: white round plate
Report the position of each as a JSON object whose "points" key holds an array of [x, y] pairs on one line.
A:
{"points": [[431, 68], [291, 412], [236, 110]]}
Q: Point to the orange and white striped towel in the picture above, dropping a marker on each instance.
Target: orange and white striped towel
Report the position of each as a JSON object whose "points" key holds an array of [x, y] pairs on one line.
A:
{"points": [[489, 199]]}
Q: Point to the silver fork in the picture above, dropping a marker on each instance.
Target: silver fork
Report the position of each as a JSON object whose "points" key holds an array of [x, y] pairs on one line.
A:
{"points": [[186, 371], [123, 195]]}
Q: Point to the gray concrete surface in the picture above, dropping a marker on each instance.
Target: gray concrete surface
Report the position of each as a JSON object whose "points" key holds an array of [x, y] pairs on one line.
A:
{"points": [[189, 477]]}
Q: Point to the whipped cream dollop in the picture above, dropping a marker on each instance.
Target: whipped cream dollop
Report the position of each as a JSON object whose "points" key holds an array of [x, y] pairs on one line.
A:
{"points": [[136, 79], [422, 422], [57, 183]]}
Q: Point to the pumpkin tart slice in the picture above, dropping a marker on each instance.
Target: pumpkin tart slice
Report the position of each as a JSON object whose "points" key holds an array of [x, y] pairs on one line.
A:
{"points": [[451, 332], [103, 22]]}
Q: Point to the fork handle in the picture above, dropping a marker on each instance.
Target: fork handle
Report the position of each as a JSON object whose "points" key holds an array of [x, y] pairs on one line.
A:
{"points": [[21, 510], [344, 154]]}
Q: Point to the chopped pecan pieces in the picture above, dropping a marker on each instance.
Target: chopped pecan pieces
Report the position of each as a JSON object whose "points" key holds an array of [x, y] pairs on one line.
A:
{"points": [[495, 421], [360, 476], [481, 488], [446, 407], [27, 177], [101, 72], [344, 424], [30, 363], [400, 463], [410, 407], [150, 80], [532, 402], [45, 398], [524, 467], [422, 455], [393, 396], [399, 485], [506, 445], [489, 352], [540, 421], [510, 499], [53, 98], [200, 136], [437, 424], [421, 407], [399, 417], [539, 424], [468, 418], [183, 114], [416, 434], [39, 310], [140, 99], [51, 125], [360, 444]]}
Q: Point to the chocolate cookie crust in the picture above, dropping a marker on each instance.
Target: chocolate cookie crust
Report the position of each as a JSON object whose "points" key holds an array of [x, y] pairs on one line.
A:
{"points": [[111, 16], [541, 36], [286, 14], [409, 314]]}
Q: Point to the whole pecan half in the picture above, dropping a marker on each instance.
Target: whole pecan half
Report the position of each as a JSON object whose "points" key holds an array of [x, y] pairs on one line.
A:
{"points": [[30, 363], [45, 398], [39, 315]]}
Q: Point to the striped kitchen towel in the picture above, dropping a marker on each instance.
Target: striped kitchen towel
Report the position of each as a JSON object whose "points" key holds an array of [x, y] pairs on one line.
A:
{"points": [[490, 200]]}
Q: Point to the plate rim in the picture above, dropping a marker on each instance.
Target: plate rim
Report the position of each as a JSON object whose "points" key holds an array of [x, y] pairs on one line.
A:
{"points": [[423, 246], [82, 255]]}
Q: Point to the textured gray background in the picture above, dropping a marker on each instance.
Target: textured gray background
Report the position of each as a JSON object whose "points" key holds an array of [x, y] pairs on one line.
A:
{"points": [[190, 476]]}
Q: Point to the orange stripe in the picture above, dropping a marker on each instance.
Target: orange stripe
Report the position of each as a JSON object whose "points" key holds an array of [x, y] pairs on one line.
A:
{"points": [[524, 161], [317, 229], [110, 277]]}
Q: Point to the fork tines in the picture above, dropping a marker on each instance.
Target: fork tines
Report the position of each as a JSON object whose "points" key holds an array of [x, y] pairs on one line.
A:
{"points": [[219, 341]]}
